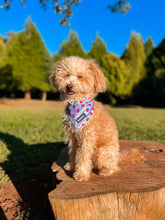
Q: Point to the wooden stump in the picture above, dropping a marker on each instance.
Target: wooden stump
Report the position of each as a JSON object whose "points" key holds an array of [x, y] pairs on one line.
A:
{"points": [[136, 192]]}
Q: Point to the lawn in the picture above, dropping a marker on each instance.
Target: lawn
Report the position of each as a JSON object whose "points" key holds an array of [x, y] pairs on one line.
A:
{"points": [[33, 135], [140, 124], [31, 138]]}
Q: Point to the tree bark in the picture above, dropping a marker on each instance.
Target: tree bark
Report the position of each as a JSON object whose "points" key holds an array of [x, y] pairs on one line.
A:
{"points": [[27, 95], [44, 96], [136, 192]]}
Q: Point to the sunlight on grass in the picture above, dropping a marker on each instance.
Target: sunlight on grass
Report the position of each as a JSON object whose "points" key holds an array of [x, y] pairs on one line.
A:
{"points": [[140, 124], [29, 137], [32, 136], [33, 125]]}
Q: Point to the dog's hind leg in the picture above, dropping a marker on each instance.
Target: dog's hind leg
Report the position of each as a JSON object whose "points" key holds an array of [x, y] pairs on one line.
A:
{"points": [[106, 160]]}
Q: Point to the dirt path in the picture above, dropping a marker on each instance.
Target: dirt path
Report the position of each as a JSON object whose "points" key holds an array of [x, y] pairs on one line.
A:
{"points": [[30, 103]]}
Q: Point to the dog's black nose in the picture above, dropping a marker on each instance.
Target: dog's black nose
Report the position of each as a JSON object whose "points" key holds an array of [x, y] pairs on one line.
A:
{"points": [[69, 87]]}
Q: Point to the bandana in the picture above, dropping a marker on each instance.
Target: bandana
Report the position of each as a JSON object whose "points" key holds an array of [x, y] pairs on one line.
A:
{"points": [[80, 112]]}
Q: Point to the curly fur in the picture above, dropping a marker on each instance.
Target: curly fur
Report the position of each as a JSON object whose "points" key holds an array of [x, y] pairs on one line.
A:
{"points": [[95, 145]]}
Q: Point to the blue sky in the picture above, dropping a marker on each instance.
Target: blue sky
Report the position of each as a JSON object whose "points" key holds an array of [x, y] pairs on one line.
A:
{"points": [[146, 17]]}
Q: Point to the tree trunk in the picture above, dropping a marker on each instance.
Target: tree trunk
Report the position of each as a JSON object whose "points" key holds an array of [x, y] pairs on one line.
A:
{"points": [[44, 96], [27, 95], [136, 192]]}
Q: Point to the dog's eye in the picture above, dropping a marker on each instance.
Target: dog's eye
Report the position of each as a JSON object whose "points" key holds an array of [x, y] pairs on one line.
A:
{"points": [[80, 77], [67, 75]]}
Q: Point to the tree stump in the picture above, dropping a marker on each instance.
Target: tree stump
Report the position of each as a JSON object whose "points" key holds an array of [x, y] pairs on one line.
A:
{"points": [[136, 192]]}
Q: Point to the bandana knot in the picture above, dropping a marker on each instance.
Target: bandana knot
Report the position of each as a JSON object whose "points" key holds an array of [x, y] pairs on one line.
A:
{"points": [[80, 112]]}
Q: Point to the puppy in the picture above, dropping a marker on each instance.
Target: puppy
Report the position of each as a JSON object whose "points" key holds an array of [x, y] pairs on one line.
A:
{"points": [[92, 134]]}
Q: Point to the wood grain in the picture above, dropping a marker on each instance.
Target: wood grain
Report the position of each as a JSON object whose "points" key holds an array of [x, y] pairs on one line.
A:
{"points": [[137, 191]]}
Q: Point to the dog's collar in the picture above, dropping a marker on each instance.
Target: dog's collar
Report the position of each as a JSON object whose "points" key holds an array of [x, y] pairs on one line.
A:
{"points": [[80, 112]]}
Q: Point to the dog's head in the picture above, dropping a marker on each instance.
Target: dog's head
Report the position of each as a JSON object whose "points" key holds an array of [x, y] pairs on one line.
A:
{"points": [[77, 79]]}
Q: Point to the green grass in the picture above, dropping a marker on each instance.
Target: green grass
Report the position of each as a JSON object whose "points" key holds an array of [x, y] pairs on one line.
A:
{"points": [[140, 124], [30, 137]]}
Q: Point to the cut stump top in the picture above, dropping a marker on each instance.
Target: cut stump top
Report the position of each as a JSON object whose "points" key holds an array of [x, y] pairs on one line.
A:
{"points": [[146, 172]]}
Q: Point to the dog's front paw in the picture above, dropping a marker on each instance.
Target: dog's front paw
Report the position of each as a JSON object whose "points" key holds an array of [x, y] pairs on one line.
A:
{"points": [[68, 167], [80, 176]]}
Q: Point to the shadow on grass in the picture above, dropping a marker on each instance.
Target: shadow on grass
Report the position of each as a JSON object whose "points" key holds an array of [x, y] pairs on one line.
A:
{"points": [[28, 167]]}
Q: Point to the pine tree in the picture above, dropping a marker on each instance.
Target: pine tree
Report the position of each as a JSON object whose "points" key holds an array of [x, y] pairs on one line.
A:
{"points": [[2, 50], [151, 90], [71, 47], [157, 59], [149, 46], [26, 54], [134, 58], [5, 70], [6, 78], [156, 71], [117, 76], [98, 50]]}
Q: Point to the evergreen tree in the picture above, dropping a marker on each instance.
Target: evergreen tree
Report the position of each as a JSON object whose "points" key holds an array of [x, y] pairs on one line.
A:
{"points": [[149, 46], [151, 90], [71, 47], [156, 72], [2, 50], [98, 50], [5, 70], [134, 58], [156, 61], [6, 78], [117, 76], [27, 56]]}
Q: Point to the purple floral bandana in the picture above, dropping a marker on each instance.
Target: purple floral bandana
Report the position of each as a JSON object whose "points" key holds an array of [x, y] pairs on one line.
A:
{"points": [[80, 112]]}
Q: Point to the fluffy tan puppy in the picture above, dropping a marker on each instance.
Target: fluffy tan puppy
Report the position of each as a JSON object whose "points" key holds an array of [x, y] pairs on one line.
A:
{"points": [[92, 135]]}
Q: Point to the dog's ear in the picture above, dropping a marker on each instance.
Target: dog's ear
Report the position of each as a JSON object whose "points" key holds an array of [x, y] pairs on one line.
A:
{"points": [[100, 80], [56, 70]]}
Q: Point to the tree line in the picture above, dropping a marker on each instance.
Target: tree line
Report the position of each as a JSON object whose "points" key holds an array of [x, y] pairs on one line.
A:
{"points": [[136, 77]]}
